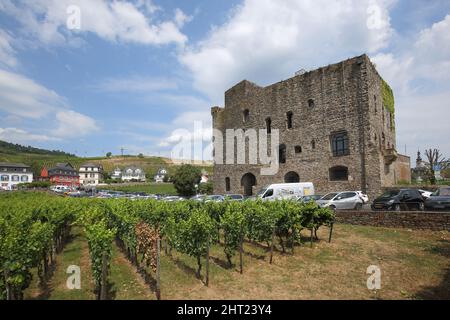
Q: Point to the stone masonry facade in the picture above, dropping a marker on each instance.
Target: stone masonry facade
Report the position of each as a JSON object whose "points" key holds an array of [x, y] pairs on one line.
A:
{"points": [[337, 105]]}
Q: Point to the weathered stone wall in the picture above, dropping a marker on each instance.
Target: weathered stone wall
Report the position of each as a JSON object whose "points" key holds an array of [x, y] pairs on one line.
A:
{"points": [[345, 96], [437, 221], [403, 169]]}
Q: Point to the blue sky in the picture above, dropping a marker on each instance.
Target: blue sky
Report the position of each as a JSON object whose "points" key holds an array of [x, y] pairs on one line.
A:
{"points": [[136, 71]]}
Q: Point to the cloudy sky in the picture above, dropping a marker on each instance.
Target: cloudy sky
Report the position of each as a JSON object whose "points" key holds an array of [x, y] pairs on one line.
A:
{"points": [[132, 73]]}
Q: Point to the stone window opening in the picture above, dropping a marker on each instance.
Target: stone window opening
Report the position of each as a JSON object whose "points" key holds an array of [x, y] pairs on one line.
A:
{"points": [[313, 144], [227, 184], [311, 103], [269, 125], [246, 115], [289, 119], [292, 177], [282, 153], [339, 173], [340, 144], [375, 99], [298, 149]]}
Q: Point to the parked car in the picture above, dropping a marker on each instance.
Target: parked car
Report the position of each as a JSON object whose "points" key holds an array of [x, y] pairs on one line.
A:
{"points": [[286, 191], [234, 197], [440, 200], [198, 197], [347, 200], [215, 198], [364, 197], [172, 198], [309, 198], [425, 194], [60, 189], [399, 199], [77, 194]]}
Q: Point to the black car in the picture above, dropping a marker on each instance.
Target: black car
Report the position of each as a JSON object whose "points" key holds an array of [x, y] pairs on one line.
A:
{"points": [[400, 199], [440, 200]]}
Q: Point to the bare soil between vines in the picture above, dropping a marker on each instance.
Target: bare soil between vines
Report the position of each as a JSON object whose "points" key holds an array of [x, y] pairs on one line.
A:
{"points": [[414, 265]]}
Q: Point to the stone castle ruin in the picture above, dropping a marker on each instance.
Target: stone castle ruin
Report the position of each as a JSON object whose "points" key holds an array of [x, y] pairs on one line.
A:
{"points": [[336, 129]]}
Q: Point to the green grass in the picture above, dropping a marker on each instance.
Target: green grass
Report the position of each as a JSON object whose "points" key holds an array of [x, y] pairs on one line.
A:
{"points": [[126, 283], [75, 253], [414, 265], [150, 188]]}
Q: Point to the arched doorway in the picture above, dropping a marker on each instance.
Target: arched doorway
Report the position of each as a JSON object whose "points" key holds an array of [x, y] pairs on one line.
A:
{"points": [[248, 181], [291, 177]]}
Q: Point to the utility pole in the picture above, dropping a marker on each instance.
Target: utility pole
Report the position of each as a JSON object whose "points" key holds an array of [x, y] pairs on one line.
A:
{"points": [[122, 150]]}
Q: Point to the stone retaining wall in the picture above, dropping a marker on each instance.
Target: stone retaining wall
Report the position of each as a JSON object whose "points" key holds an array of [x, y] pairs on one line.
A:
{"points": [[437, 221]]}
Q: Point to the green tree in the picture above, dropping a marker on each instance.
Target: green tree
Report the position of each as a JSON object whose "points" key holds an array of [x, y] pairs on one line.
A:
{"points": [[185, 178], [205, 188], [140, 155], [435, 158], [109, 155]]}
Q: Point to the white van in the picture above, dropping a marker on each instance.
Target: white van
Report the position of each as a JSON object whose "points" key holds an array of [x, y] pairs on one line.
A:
{"points": [[60, 189], [286, 191]]}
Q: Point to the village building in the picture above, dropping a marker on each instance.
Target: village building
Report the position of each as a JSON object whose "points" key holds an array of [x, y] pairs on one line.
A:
{"points": [[91, 174], [116, 174], [63, 174], [336, 129], [160, 175], [133, 173], [12, 174]]}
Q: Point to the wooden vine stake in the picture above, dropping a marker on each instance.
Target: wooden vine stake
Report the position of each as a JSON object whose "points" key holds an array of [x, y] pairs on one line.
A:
{"points": [[241, 250], [158, 269], [312, 234], [207, 265], [103, 282], [272, 245], [331, 232], [7, 286]]}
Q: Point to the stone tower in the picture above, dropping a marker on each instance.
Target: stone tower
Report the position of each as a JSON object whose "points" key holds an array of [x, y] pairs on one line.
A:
{"points": [[336, 129]]}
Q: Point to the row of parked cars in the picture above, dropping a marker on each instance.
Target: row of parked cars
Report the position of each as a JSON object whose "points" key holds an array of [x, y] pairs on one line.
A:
{"points": [[407, 199], [392, 200]]}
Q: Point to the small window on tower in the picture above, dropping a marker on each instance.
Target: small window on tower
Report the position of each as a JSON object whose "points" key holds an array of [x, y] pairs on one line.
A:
{"points": [[282, 153], [289, 116], [298, 149], [269, 125], [311, 103], [246, 115]]}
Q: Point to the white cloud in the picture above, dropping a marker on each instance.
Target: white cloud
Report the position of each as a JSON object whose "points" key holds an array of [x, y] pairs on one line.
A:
{"points": [[397, 72], [423, 122], [419, 73], [72, 124], [116, 21], [425, 57], [21, 97], [7, 53], [192, 132], [15, 135], [265, 41], [432, 51], [24, 97]]}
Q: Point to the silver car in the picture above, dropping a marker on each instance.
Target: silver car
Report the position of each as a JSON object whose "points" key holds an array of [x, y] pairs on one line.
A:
{"points": [[349, 200]]}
